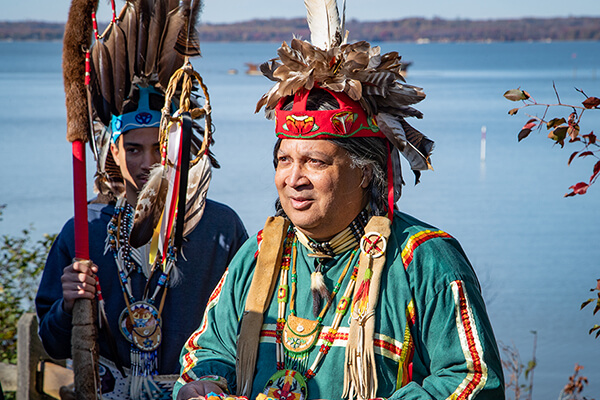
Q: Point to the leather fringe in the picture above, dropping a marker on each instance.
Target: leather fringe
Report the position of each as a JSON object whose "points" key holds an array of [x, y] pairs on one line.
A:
{"points": [[360, 374]]}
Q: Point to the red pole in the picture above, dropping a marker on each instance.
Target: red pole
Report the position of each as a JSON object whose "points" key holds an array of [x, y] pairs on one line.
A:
{"points": [[82, 249]]}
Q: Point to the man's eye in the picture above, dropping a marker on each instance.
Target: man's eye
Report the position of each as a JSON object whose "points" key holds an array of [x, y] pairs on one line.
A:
{"points": [[315, 161], [282, 159]]}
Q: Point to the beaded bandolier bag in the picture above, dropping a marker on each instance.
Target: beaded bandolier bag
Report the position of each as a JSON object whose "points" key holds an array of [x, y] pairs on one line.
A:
{"points": [[140, 77], [373, 100]]}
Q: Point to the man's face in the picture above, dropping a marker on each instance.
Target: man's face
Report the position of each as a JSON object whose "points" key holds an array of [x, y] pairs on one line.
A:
{"points": [[135, 152], [318, 188]]}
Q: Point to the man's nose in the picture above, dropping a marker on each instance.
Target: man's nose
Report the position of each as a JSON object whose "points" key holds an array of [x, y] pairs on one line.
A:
{"points": [[297, 176]]}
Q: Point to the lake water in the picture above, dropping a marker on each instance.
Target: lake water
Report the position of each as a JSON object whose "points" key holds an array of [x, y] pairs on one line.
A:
{"points": [[537, 254]]}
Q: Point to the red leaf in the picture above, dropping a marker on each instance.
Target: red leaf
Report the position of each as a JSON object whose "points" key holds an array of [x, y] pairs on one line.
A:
{"points": [[586, 153], [591, 102], [592, 178], [530, 124], [526, 129], [578, 188], [572, 157], [523, 134], [590, 137]]}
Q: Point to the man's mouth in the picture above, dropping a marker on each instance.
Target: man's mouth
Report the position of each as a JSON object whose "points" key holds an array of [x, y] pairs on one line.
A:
{"points": [[300, 203]]}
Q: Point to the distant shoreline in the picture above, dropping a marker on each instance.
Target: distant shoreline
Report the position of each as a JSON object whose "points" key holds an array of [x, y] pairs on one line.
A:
{"points": [[421, 30]]}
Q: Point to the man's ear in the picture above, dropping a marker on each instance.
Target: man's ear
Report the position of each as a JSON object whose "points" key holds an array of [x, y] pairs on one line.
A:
{"points": [[367, 176], [114, 150]]}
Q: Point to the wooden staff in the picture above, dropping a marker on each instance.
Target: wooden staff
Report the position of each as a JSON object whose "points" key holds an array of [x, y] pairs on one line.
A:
{"points": [[76, 42]]}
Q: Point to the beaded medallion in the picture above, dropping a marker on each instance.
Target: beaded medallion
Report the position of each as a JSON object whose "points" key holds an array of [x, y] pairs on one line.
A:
{"points": [[143, 329], [286, 385]]}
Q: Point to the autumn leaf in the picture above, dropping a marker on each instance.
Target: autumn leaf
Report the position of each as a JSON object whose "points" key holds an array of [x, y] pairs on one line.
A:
{"points": [[526, 129], [516, 95], [513, 111], [572, 157], [573, 132], [558, 135], [578, 188], [555, 122], [591, 102], [585, 303], [592, 179], [590, 137], [586, 153]]}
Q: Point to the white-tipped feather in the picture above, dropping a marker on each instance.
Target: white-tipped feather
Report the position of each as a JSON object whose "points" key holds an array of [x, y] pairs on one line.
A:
{"points": [[198, 181], [323, 22]]}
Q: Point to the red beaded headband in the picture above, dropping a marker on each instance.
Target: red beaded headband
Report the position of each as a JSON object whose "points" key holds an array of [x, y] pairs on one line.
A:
{"points": [[349, 120]]}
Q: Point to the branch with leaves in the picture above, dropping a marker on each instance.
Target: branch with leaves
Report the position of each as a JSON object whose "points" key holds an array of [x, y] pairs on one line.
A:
{"points": [[595, 328], [562, 129]]}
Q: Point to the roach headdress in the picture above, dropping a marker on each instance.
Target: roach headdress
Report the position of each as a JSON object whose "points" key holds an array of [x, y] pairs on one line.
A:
{"points": [[372, 94]]}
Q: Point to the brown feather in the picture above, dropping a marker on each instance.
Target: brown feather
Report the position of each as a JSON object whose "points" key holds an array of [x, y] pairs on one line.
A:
{"points": [[169, 61], [116, 44], [149, 208], [128, 21], [188, 43], [155, 30], [198, 182], [101, 80], [144, 13]]}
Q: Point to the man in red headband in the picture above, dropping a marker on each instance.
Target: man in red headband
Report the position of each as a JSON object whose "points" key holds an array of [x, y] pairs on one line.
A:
{"points": [[342, 295]]}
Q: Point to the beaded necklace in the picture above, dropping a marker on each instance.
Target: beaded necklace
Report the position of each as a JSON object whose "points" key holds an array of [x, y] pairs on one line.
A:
{"points": [[296, 337], [140, 322], [321, 251]]}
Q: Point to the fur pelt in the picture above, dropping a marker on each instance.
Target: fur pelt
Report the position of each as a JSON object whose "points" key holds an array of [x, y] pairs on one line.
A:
{"points": [[77, 38]]}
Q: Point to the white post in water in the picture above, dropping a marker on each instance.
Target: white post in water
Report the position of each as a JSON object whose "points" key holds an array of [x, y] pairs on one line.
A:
{"points": [[483, 131]]}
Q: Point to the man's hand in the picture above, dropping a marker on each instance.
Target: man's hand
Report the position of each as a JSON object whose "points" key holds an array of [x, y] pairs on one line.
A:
{"points": [[78, 282], [197, 390]]}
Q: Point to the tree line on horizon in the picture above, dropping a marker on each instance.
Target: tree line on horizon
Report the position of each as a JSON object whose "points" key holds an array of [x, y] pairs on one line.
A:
{"points": [[408, 29]]}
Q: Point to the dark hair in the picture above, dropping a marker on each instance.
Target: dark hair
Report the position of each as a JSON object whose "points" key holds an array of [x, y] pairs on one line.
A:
{"points": [[363, 152]]}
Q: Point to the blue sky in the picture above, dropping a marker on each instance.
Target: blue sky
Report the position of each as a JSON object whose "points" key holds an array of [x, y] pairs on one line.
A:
{"points": [[216, 11]]}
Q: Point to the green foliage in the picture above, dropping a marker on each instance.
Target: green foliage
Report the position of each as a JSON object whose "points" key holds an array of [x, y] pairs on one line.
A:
{"points": [[596, 302], [514, 368], [21, 261]]}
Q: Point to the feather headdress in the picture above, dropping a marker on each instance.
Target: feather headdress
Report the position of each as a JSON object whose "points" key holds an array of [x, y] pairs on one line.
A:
{"points": [[357, 70], [141, 47], [135, 58]]}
